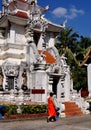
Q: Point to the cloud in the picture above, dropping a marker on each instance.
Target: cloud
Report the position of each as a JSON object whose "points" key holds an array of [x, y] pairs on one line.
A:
{"points": [[67, 13], [60, 12]]}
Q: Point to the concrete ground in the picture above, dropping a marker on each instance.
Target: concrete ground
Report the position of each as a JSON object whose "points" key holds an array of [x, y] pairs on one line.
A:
{"points": [[69, 123]]}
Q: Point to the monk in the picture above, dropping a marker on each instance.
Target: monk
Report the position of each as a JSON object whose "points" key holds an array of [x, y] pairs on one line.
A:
{"points": [[51, 109]]}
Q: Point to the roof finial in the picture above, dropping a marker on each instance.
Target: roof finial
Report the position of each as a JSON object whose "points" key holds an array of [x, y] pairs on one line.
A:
{"points": [[47, 7], [64, 23]]}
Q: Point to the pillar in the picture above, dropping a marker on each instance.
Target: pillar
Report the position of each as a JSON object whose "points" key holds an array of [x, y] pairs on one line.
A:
{"points": [[89, 78], [67, 87]]}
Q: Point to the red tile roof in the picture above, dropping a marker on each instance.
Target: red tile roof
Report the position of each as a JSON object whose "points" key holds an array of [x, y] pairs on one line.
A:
{"points": [[23, 0], [48, 57], [21, 14]]}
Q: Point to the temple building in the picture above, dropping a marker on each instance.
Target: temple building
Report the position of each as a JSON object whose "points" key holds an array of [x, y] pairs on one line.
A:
{"points": [[29, 60], [30, 65]]}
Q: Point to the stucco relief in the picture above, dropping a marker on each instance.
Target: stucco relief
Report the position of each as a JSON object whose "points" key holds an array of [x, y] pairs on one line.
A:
{"points": [[10, 69], [1, 79], [38, 24], [24, 80]]}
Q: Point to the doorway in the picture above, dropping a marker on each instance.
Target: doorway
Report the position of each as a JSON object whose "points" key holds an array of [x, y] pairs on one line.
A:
{"points": [[36, 37], [54, 86], [10, 82]]}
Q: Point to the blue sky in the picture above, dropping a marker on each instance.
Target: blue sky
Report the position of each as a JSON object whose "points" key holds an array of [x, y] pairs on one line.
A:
{"points": [[77, 13]]}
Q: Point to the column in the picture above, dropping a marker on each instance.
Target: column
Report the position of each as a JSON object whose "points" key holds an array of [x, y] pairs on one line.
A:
{"points": [[12, 34], [89, 78], [67, 87]]}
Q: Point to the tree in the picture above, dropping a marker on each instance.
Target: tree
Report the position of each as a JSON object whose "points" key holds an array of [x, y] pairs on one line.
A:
{"points": [[74, 47], [84, 43], [66, 39]]}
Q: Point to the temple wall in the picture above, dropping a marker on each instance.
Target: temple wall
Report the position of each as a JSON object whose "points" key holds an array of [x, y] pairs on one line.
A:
{"points": [[39, 86]]}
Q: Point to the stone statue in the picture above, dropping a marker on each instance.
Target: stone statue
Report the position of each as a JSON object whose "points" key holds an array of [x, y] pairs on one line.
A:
{"points": [[24, 78], [41, 59]]}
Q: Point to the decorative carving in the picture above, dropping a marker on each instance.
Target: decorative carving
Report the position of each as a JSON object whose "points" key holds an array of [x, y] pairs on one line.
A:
{"points": [[38, 24], [24, 78], [41, 59], [1, 80], [10, 69], [29, 35], [15, 80], [5, 3], [36, 21]]}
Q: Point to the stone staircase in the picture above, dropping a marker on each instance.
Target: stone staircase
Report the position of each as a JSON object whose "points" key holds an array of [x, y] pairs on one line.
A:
{"points": [[72, 109]]}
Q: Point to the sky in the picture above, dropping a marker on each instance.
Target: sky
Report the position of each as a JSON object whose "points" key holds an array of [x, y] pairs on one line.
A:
{"points": [[77, 13]]}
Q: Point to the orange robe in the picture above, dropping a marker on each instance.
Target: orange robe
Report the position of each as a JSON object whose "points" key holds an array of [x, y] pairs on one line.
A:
{"points": [[51, 107]]}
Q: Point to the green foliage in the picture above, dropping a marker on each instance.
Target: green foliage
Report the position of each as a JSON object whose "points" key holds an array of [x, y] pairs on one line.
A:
{"points": [[34, 109], [79, 75], [74, 47], [10, 109], [25, 109]]}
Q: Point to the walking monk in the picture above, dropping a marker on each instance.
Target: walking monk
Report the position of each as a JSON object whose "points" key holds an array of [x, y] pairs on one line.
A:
{"points": [[51, 109]]}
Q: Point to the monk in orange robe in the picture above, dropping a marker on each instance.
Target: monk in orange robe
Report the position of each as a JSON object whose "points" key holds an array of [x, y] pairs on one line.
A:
{"points": [[51, 109]]}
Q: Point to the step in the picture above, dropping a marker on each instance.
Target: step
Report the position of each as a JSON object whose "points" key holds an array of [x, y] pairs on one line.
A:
{"points": [[75, 113], [72, 109]]}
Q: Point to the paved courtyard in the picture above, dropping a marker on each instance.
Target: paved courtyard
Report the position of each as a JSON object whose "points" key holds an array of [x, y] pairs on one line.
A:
{"points": [[72, 123]]}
